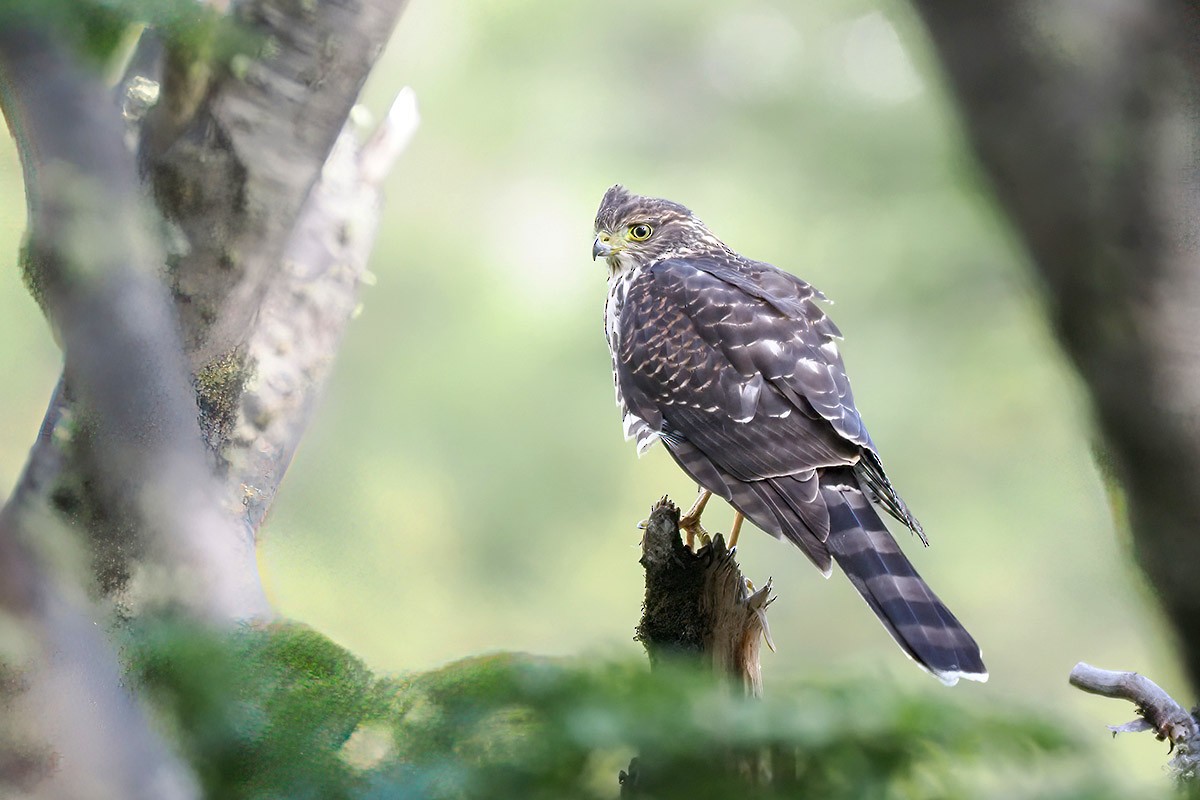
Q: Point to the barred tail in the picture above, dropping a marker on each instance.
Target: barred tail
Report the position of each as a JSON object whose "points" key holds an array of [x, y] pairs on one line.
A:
{"points": [[920, 623], [855, 536]]}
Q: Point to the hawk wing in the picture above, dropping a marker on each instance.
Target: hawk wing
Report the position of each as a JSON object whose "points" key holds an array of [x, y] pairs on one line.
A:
{"points": [[737, 367], [796, 299]]}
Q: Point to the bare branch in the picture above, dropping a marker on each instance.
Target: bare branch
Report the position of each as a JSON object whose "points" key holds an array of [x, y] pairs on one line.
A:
{"points": [[1158, 710], [390, 139]]}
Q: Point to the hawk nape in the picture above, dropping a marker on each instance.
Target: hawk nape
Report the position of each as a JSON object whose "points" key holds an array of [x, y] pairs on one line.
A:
{"points": [[734, 365]]}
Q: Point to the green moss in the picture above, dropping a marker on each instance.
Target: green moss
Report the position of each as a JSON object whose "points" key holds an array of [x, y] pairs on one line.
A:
{"points": [[32, 275], [219, 386], [262, 713], [281, 711]]}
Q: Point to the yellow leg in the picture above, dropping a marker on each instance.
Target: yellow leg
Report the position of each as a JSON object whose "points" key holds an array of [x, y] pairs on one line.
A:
{"points": [[689, 523], [736, 529], [692, 517]]}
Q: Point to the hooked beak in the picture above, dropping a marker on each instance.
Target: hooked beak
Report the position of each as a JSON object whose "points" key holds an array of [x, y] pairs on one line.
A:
{"points": [[604, 247], [601, 249]]}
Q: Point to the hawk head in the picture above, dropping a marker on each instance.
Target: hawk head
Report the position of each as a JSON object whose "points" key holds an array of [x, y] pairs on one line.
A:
{"points": [[634, 231]]}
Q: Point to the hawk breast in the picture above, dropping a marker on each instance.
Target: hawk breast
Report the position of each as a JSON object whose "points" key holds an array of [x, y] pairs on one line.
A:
{"points": [[634, 426]]}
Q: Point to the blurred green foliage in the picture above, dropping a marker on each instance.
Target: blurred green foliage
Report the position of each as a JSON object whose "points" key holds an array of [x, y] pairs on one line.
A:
{"points": [[283, 712], [102, 29]]}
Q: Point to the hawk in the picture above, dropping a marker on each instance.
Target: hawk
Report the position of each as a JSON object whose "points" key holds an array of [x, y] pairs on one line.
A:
{"points": [[734, 365]]}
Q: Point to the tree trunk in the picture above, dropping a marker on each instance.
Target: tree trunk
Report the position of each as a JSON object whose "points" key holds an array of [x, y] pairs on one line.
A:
{"points": [[192, 360], [1083, 116]]}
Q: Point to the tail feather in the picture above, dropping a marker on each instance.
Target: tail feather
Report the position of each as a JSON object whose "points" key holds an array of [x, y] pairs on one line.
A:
{"points": [[794, 507], [918, 621]]}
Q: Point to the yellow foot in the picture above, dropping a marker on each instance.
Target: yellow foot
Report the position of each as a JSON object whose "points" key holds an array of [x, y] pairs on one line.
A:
{"points": [[698, 533]]}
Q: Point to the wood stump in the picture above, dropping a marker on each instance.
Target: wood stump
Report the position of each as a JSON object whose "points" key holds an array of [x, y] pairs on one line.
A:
{"points": [[698, 606]]}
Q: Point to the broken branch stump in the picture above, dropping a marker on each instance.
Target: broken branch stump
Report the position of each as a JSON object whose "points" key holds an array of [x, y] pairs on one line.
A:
{"points": [[699, 603], [699, 606]]}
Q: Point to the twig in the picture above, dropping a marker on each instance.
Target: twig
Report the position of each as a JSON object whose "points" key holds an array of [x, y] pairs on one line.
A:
{"points": [[1158, 712]]}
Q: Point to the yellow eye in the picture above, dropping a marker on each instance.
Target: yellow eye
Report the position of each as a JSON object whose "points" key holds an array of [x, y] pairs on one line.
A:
{"points": [[640, 232]]}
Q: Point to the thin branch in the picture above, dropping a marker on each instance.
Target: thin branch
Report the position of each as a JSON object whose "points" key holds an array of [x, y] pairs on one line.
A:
{"points": [[1158, 711]]}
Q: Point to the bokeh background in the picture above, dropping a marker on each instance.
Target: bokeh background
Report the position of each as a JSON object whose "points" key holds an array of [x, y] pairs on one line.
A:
{"points": [[465, 487]]}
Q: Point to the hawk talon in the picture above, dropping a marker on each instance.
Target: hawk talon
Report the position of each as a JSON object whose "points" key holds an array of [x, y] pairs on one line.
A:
{"points": [[735, 529], [692, 518], [689, 523], [693, 532]]}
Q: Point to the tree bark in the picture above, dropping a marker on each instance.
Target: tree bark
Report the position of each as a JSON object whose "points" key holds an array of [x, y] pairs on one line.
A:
{"points": [[233, 169], [190, 370], [698, 605], [97, 263], [699, 608], [242, 163]]}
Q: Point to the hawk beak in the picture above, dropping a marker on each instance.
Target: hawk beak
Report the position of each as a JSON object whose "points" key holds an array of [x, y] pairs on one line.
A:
{"points": [[600, 248]]}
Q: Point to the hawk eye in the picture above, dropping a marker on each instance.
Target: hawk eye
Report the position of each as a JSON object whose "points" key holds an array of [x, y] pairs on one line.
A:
{"points": [[640, 232]]}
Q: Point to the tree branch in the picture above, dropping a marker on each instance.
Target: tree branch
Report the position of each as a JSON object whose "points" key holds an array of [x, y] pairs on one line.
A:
{"points": [[294, 319], [299, 330], [63, 697], [261, 133], [123, 432], [1158, 711]]}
